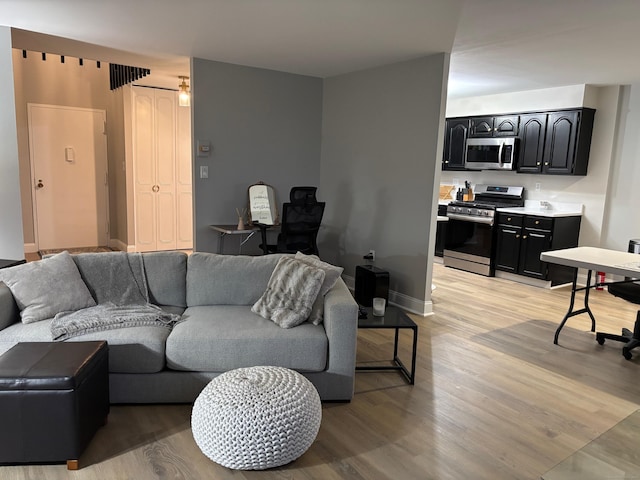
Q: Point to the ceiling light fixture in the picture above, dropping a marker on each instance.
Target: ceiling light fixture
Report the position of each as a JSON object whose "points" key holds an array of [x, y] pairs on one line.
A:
{"points": [[184, 98]]}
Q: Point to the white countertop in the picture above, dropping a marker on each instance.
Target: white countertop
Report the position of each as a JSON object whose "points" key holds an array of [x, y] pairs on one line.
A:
{"points": [[554, 209]]}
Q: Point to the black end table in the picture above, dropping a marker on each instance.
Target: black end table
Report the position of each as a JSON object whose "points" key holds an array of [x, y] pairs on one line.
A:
{"points": [[4, 263], [393, 318]]}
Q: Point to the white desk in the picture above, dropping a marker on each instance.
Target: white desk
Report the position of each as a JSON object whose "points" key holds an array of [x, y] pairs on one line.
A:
{"points": [[224, 230], [591, 259]]}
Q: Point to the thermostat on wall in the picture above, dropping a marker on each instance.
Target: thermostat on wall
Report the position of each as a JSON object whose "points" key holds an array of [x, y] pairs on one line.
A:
{"points": [[203, 148]]}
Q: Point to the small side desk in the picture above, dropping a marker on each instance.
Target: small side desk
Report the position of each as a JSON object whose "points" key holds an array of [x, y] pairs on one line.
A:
{"points": [[224, 230], [396, 319], [592, 259]]}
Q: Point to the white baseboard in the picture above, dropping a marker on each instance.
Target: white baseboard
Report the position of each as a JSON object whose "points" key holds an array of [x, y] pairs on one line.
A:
{"points": [[30, 248], [117, 244], [401, 300]]}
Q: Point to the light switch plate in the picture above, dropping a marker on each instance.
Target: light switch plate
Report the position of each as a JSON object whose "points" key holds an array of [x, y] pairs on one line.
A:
{"points": [[204, 171]]}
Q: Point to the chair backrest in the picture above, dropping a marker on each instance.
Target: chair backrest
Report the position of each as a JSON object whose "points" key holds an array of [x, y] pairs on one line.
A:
{"points": [[306, 195], [300, 222], [629, 291]]}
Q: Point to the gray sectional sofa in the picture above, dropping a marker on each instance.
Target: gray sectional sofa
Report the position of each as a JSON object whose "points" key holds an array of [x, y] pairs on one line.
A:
{"points": [[217, 331]]}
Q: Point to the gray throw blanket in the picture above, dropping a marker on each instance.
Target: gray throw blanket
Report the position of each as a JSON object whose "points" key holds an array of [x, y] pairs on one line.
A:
{"points": [[116, 277], [108, 316]]}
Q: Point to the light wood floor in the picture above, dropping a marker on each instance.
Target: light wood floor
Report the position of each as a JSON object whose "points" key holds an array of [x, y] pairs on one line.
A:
{"points": [[494, 399]]}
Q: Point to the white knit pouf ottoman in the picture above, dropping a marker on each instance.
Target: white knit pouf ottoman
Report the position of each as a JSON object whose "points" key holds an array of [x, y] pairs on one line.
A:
{"points": [[256, 418]]}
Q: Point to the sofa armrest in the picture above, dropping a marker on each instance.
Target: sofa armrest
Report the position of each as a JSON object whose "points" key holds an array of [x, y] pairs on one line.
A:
{"points": [[341, 326], [9, 313]]}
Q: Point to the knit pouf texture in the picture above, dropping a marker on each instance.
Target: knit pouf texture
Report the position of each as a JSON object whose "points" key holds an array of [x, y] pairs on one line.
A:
{"points": [[256, 418]]}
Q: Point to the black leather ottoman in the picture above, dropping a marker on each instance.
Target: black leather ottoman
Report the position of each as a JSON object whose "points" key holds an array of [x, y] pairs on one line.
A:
{"points": [[53, 399]]}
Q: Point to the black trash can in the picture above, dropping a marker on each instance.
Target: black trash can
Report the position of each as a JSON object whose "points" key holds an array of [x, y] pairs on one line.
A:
{"points": [[634, 245]]}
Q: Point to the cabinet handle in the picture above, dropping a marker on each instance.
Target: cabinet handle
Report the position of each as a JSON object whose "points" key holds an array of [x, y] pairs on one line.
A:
{"points": [[537, 235], [517, 236], [446, 161], [508, 219], [155, 188], [538, 164], [546, 163], [524, 237], [509, 231], [537, 222]]}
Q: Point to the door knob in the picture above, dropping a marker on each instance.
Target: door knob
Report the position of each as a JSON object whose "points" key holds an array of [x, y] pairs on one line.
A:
{"points": [[155, 188], [40, 184]]}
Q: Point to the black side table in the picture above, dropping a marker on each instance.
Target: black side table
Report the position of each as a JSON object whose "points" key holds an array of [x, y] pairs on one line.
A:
{"points": [[10, 263], [396, 319]]}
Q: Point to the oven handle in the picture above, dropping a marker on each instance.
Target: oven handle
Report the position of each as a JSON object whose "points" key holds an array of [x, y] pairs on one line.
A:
{"points": [[466, 218]]}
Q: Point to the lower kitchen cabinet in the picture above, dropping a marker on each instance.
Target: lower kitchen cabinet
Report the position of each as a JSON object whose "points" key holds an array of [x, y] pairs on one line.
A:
{"points": [[522, 238]]}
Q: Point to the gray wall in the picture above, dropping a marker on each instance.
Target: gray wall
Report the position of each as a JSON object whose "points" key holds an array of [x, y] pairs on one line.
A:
{"points": [[262, 125], [11, 239], [380, 149]]}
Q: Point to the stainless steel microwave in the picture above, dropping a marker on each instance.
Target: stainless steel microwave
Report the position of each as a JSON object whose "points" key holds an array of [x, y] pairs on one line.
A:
{"points": [[491, 153]]}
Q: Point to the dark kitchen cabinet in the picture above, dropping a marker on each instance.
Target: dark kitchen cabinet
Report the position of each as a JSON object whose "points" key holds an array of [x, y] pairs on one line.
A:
{"points": [[556, 142], [531, 148], [522, 238], [508, 237], [568, 141], [455, 143], [501, 126]]}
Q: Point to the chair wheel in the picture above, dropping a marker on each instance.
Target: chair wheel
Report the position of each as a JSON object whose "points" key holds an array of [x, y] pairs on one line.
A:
{"points": [[626, 354], [599, 339]]}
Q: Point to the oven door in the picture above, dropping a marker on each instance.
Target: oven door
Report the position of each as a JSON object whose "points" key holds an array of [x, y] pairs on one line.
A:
{"points": [[469, 244]]}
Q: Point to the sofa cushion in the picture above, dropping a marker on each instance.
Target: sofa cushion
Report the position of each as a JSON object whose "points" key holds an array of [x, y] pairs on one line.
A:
{"points": [[224, 337], [290, 293], [214, 279], [46, 287], [332, 274], [166, 277], [131, 350]]}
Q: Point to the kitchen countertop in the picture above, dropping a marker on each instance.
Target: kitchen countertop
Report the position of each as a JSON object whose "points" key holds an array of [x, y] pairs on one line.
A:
{"points": [[555, 209]]}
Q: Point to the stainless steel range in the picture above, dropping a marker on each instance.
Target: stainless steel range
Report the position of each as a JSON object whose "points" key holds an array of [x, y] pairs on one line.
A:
{"points": [[470, 241]]}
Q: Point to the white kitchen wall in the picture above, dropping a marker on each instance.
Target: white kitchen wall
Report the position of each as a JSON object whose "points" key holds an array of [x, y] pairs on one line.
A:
{"points": [[622, 216], [590, 190]]}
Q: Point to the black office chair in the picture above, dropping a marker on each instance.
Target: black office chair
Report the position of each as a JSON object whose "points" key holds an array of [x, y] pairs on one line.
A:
{"points": [[631, 293], [301, 218]]}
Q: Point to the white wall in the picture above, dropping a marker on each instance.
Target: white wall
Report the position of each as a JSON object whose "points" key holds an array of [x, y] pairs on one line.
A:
{"points": [[590, 190], [622, 211], [11, 238]]}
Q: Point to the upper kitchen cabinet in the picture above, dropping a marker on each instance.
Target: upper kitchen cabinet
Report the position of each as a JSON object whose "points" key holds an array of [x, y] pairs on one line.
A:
{"points": [[502, 126], [532, 130], [455, 143], [556, 142], [568, 142]]}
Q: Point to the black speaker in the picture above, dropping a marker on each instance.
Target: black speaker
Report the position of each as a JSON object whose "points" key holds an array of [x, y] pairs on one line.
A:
{"points": [[371, 282]]}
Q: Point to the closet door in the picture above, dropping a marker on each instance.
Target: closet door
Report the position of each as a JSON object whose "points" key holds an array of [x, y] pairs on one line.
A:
{"points": [[155, 147], [165, 134], [144, 169]]}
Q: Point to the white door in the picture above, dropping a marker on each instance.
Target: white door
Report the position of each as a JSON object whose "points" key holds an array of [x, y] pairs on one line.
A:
{"points": [[162, 171], [68, 150]]}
